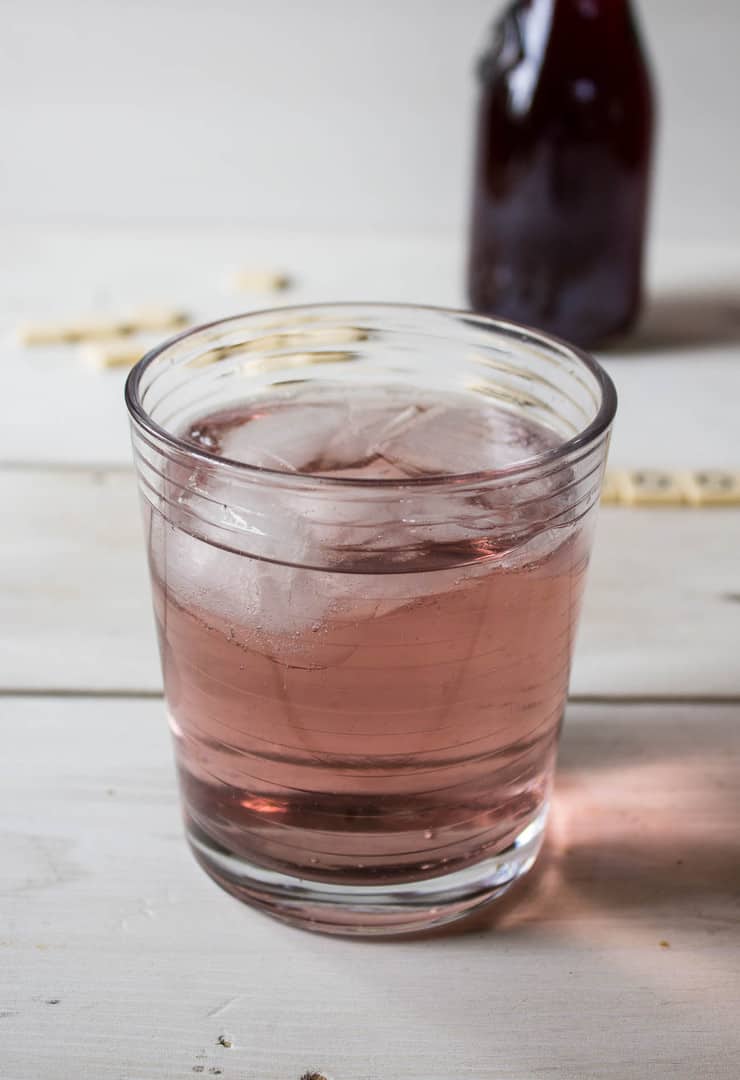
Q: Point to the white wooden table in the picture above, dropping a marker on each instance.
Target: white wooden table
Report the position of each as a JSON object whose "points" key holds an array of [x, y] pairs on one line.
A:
{"points": [[619, 958]]}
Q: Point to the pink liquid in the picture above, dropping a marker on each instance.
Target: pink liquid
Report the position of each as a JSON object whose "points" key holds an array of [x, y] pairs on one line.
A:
{"points": [[355, 725]]}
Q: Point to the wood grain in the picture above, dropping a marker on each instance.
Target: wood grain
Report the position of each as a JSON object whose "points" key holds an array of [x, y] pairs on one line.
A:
{"points": [[618, 960]]}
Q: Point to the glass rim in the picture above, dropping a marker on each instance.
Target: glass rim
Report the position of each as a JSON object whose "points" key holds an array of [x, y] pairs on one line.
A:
{"points": [[588, 435]]}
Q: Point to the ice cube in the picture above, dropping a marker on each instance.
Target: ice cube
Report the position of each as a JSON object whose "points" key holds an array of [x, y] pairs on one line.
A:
{"points": [[272, 437], [444, 439], [381, 536]]}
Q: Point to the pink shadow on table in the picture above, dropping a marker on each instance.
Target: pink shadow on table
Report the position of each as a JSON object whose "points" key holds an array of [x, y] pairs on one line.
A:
{"points": [[645, 819]]}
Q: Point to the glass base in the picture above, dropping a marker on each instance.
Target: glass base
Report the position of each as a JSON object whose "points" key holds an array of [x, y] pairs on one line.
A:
{"points": [[365, 910]]}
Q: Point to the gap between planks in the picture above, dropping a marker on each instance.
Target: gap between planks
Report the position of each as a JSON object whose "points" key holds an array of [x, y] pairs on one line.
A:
{"points": [[92, 468], [575, 699]]}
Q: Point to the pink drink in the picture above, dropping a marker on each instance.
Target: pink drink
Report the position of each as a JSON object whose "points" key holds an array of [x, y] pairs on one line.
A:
{"points": [[392, 715]]}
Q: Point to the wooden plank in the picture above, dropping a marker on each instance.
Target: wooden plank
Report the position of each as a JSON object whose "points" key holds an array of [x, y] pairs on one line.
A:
{"points": [[76, 611], [57, 273], [662, 608], [121, 961], [678, 378], [662, 614]]}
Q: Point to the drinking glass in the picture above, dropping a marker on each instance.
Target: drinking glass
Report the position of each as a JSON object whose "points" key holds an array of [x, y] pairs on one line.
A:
{"points": [[368, 528]]}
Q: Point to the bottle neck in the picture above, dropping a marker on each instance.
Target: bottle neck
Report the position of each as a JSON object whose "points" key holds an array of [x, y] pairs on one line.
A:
{"points": [[593, 9], [586, 16]]}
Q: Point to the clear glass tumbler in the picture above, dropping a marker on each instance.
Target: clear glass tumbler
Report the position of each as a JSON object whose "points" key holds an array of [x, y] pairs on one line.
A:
{"points": [[368, 529]]}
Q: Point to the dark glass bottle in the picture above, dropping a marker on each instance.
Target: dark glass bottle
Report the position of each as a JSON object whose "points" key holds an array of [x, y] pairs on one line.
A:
{"points": [[562, 169]]}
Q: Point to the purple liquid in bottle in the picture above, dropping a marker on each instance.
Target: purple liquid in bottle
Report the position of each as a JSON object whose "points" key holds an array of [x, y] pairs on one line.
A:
{"points": [[562, 169]]}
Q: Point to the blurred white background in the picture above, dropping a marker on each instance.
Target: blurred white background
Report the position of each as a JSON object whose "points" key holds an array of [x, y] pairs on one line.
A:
{"points": [[324, 114]]}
